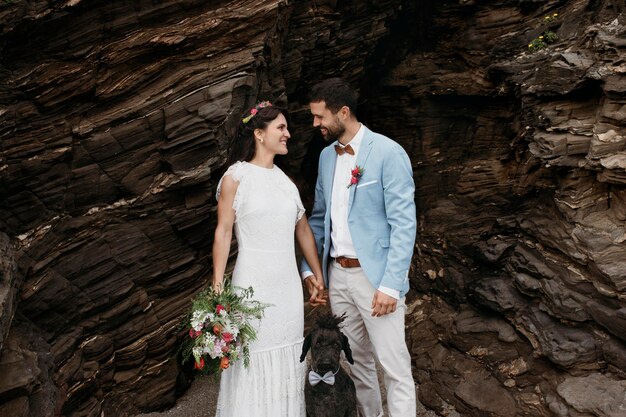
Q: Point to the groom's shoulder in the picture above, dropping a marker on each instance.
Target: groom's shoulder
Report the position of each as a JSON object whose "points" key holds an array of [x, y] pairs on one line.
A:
{"points": [[384, 143]]}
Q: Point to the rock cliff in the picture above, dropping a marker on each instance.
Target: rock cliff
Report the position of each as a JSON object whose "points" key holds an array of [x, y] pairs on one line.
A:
{"points": [[114, 120]]}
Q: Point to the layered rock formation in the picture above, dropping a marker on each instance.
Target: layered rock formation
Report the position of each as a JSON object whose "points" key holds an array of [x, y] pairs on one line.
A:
{"points": [[521, 195], [114, 121]]}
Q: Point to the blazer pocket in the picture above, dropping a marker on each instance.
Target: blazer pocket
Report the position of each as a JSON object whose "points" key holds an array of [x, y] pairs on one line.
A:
{"points": [[365, 184], [384, 242]]}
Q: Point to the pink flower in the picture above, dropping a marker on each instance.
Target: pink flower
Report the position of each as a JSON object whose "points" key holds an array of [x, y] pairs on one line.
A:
{"points": [[356, 172], [218, 349], [354, 180], [254, 111], [193, 334], [228, 337]]}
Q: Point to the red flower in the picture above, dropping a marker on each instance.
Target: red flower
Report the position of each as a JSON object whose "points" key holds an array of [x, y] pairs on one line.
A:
{"points": [[219, 308], [228, 337], [193, 334], [356, 173], [199, 365], [224, 362]]}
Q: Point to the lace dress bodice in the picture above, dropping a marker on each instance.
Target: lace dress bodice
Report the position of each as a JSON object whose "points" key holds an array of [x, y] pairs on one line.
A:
{"points": [[267, 207]]}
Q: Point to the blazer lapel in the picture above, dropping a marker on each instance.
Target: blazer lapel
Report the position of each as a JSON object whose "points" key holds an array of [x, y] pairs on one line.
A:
{"points": [[361, 159], [330, 175]]}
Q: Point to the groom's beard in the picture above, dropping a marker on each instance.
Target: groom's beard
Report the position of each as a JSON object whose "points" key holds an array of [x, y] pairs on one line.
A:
{"points": [[332, 132]]}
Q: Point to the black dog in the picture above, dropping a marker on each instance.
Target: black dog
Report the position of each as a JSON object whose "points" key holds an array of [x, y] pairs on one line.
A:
{"points": [[329, 391]]}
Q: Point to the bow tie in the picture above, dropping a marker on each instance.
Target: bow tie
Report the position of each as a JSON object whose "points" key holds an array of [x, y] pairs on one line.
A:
{"points": [[315, 378], [344, 149]]}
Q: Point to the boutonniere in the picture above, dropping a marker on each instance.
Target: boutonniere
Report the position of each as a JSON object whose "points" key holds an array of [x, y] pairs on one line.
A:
{"points": [[357, 173]]}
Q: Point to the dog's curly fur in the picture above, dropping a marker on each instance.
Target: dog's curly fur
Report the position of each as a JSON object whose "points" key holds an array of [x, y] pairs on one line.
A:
{"points": [[326, 342]]}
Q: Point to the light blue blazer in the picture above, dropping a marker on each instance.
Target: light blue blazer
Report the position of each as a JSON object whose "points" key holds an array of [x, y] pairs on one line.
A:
{"points": [[381, 211]]}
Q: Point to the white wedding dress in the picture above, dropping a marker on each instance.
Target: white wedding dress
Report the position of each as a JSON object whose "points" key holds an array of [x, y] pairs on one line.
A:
{"points": [[267, 206]]}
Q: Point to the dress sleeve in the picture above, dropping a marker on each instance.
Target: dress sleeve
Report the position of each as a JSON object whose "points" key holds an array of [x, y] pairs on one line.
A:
{"points": [[300, 207], [236, 172]]}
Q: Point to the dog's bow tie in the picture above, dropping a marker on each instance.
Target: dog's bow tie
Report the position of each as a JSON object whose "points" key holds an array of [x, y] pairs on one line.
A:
{"points": [[315, 378]]}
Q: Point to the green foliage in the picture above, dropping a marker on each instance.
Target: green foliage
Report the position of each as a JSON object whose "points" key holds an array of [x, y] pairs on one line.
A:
{"points": [[543, 41], [550, 18], [550, 37], [547, 37], [537, 44], [214, 318]]}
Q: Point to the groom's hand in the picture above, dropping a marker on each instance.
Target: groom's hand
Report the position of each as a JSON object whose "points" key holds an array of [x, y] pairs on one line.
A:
{"points": [[315, 288], [383, 304]]}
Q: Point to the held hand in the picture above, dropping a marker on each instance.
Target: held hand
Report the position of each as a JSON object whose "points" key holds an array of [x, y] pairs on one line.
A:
{"points": [[323, 291], [383, 304], [320, 296], [315, 288]]}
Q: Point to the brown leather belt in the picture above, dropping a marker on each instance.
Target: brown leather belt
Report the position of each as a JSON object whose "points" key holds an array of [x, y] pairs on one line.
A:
{"points": [[347, 262]]}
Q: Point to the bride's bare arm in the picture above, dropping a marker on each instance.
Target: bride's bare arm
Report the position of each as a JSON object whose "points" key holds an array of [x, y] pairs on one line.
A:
{"points": [[306, 240], [224, 229]]}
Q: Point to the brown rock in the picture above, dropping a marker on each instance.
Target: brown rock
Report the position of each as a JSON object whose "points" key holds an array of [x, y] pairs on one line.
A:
{"points": [[486, 394], [595, 394], [114, 123]]}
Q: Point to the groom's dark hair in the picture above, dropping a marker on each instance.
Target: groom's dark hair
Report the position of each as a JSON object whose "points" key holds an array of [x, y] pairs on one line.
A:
{"points": [[336, 93]]}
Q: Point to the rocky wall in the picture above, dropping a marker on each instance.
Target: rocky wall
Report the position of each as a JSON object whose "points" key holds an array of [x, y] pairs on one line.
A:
{"points": [[114, 122]]}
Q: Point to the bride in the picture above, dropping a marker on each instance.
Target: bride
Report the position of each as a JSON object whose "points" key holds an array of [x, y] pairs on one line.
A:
{"points": [[264, 206]]}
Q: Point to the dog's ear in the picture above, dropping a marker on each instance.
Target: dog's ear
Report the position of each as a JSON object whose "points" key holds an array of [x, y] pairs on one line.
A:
{"points": [[345, 345], [305, 347]]}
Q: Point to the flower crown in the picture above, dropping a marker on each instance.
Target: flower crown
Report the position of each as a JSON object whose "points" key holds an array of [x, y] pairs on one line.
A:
{"points": [[255, 110]]}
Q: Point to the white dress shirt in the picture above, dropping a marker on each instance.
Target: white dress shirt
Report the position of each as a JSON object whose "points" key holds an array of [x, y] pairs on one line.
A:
{"points": [[340, 239]]}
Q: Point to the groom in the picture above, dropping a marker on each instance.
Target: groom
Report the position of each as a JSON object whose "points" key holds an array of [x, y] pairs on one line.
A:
{"points": [[364, 224]]}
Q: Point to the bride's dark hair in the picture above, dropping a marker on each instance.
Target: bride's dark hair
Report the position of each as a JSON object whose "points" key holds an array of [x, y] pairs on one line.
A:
{"points": [[242, 146]]}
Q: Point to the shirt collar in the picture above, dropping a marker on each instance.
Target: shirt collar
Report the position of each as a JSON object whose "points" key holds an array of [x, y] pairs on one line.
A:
{"points": [[355, 143]]}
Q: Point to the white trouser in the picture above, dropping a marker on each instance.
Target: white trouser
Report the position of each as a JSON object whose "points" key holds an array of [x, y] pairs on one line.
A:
{"points": [[373, 338]]}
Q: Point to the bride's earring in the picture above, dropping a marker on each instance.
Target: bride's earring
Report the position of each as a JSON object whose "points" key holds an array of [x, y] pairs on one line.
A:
{"points": [[258, 135]]}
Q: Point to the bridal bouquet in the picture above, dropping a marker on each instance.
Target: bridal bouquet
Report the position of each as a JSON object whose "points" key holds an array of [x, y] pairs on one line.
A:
{"points": [[220, 328]]}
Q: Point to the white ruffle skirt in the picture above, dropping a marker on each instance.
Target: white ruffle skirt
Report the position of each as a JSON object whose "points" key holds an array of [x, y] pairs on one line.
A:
{"points": [[273, 385]]}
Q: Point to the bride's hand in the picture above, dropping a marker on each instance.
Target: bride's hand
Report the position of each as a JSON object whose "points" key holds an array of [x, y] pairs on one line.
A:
{"points": [[316, 290], [218, 287]]}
